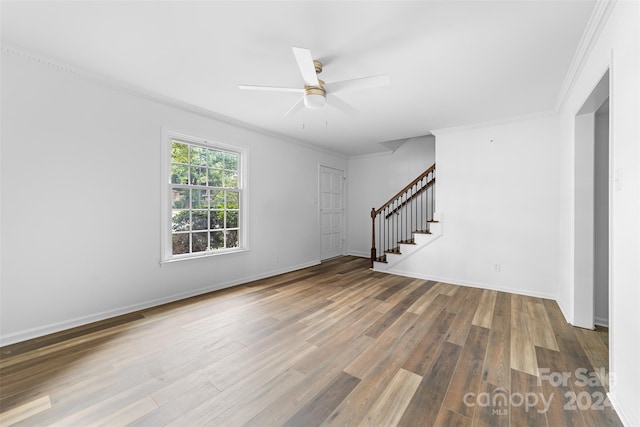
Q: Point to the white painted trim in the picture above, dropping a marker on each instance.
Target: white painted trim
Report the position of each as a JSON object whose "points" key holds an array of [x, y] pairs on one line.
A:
{"points": [[599, 321], [624, 417], [564, 311], [130, 89], [453, 281], [359, 254], [499, 122], [366, 156], [169, 134], [598, 19], [84, 320]]}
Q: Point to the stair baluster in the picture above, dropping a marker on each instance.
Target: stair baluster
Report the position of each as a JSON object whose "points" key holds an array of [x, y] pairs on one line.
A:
{"points": [[409, 211]]}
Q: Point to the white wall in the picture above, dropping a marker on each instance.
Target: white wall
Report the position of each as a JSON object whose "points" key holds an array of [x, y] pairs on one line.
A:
{"points": [[372, 180], [617, 48], [497, 196], [81, 202]]}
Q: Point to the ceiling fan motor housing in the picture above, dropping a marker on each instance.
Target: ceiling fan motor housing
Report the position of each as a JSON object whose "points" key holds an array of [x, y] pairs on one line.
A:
{"points": [[314, 96]]}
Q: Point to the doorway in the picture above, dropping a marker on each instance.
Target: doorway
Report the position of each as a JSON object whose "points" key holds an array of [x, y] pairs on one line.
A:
{"points": [[592, 204], [331, 212]]}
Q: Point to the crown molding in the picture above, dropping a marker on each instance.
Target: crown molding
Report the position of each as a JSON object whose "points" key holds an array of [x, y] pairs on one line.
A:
{"points": [[597, 21], [499, 122], [371, 155], [139, 92]]}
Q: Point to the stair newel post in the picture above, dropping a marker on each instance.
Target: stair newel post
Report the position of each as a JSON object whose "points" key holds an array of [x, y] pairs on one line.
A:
{"points": [[430, 201], [373, 235], [399, 214], [407, 218], [433, 197], [403, 221], [422, 206], [395, 225], [417, 218], [410, 210], [381, 233], [387, 234]]}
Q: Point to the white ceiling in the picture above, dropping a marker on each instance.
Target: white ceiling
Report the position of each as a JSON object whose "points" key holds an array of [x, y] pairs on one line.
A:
{"points": [[451, 63]]}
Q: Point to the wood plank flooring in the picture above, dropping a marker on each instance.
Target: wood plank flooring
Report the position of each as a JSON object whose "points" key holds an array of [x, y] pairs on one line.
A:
{"points": [[336, 344]]}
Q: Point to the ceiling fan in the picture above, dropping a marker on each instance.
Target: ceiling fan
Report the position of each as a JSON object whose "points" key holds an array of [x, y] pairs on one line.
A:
{"points": [[314, 93]]}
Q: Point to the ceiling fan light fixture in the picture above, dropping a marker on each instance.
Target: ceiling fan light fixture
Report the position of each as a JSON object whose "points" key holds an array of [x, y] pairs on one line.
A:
{"points": [[314, 96], [314, 101]]}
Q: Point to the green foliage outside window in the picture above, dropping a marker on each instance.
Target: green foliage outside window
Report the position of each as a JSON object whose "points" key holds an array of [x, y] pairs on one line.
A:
{"points": [[205, 198]]}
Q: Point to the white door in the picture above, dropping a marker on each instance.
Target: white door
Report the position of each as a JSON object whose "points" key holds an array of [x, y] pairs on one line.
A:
{"points": [[331, 212]]}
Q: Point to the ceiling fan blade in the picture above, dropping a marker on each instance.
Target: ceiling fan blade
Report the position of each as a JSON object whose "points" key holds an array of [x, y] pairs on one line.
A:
{"points": [[305, 64], [296, 107], [356, 84], [339, 104], [272, 88]]}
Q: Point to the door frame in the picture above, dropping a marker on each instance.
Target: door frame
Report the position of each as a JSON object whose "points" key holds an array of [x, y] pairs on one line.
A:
{"points": [[583, 219]]}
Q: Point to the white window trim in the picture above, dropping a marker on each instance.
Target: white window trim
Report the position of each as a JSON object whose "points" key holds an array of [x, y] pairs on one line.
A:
{"points": [[166, 255]]}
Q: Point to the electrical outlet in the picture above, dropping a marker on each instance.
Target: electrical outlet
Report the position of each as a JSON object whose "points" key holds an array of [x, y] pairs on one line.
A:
{"points": [[496, 268]]}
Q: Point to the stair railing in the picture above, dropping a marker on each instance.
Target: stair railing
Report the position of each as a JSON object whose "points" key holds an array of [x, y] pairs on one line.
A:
{"points": [[409, 211]]}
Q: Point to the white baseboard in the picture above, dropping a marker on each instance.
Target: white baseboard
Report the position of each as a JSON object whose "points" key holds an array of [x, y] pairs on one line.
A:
{"points": [[565, 312], [622, 414], [359, 254], [487, 286], [600, 321], [96, 317]]}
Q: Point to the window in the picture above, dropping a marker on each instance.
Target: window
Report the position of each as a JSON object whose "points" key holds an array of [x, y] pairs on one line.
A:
{"points": [[203, 198]]}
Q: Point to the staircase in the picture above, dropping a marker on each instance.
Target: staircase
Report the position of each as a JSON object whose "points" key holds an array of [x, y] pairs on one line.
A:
{"points": [[405, 223]]}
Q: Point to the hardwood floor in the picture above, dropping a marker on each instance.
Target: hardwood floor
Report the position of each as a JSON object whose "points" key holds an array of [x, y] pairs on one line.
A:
{"points": [[336, 344]]}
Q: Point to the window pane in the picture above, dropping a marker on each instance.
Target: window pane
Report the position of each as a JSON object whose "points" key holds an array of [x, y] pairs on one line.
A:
{"points": [[232, 199], [200, 220], [216, 218], [217, 199], [199, 199], [198, 156], [180, 220], [199, 242], [232, 219], [217, 240], [179, 174], [232, 239], [179, 198], [215, 159], [203, 218], [180, 243], [215, 177], [179, 152], [198, 176], [230, 180], [231, 161]]}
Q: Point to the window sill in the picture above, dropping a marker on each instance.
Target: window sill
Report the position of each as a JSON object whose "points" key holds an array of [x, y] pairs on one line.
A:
{"points": [[202, 255]]}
